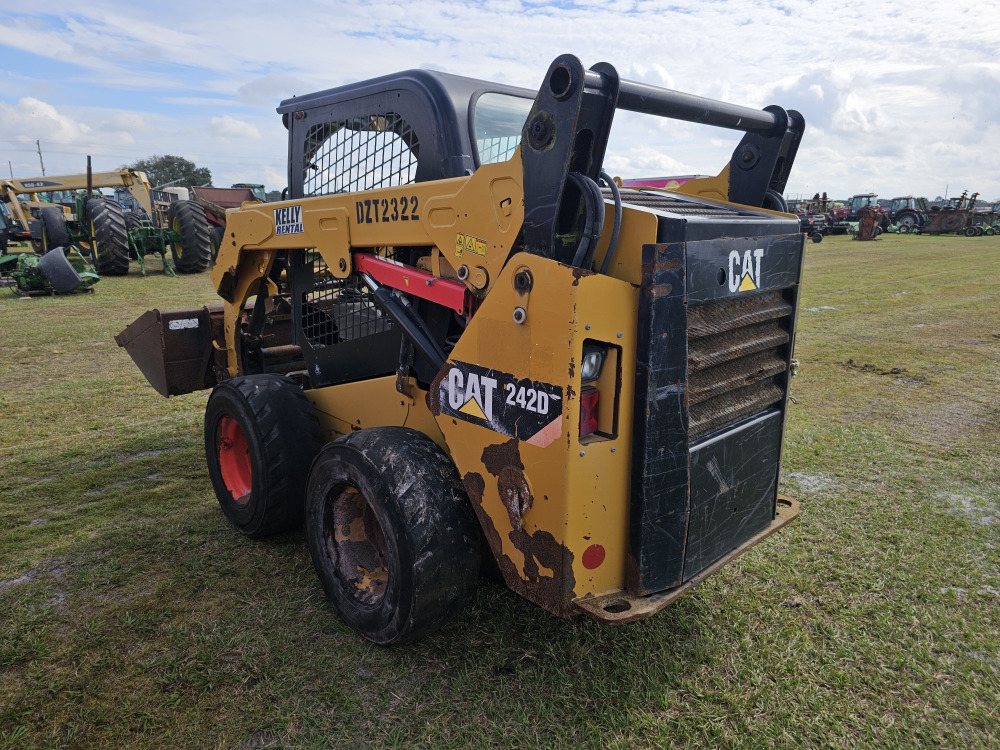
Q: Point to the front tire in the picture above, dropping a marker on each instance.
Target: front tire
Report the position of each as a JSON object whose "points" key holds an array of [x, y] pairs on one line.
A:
{"points": [[110, 249], [392, 534], [193, 254], [261, 436], [55, 233]]}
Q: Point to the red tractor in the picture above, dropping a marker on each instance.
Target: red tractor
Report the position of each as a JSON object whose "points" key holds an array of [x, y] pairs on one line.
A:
{"points": [[852, 212], [908, 213]]}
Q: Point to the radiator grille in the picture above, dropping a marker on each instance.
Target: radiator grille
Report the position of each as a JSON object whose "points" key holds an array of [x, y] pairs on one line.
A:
{"points": [[674, 205], [737, 354], [337, 310]]}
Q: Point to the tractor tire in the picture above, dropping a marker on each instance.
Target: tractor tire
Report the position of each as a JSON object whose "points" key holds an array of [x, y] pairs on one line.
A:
{"points": [[193, 254], [392, 534], [907, 220], [218, 236], [55, 233], [137, 220], [261, 436], [110, 250], [970, 231], [58, 271]]}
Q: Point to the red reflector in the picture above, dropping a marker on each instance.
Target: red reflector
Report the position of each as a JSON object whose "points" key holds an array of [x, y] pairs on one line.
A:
{"points": [[593, 556], [589, 399]]}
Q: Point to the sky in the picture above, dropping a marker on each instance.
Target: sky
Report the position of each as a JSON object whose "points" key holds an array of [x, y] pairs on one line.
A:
{"points": [[899, 98]]}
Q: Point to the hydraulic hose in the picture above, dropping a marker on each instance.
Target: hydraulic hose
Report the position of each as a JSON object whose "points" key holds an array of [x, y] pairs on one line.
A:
{"points": [[594, 212], [618, 221]]}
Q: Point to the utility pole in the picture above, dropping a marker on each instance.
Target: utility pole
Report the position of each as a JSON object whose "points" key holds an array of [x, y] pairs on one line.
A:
{"points": [[38, 143], [11, 168]]}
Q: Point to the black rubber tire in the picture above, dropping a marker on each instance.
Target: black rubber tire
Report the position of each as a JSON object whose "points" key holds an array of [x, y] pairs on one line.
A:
{"points": [[193, 254], [137, 220], [970, 231], [218, 236], [816, 236], [388, 502], [58, 271], [281, 436], [55, 233], [908, 220], [110, 252]]}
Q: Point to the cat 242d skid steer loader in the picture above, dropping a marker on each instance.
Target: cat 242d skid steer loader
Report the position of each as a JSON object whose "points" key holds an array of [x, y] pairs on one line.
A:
{"points": [[449, 333]]}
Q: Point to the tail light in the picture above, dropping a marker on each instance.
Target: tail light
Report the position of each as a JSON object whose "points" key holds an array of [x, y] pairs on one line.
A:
{"points": [[590, 399]]}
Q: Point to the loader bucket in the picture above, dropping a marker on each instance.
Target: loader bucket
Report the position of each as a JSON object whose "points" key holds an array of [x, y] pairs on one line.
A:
{"points": [[174, 349]]}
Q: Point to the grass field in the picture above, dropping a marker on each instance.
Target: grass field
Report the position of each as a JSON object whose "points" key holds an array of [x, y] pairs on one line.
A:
{"points": [[132, 615]]}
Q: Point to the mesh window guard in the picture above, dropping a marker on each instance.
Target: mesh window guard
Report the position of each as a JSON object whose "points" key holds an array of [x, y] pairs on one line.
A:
{"points": [[338, 310], [361, 153]]}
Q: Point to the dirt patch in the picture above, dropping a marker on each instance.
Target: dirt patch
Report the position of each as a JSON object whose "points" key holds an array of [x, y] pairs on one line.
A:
{"points": [[978, 510], [55, 568], [810, 482], [900, 373]]}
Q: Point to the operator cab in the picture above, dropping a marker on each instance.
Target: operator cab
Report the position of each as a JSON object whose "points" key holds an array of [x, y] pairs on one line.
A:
{"points": [[408, 127]]}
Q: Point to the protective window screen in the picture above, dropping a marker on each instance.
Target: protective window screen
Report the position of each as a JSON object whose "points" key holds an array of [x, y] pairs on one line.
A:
{"points": [[337, 310], [361, 153], [499, 119]]}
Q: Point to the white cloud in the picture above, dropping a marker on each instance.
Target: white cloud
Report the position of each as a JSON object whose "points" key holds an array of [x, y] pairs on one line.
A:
{"points": [[228, 126], [31, 119], [880, 84]]}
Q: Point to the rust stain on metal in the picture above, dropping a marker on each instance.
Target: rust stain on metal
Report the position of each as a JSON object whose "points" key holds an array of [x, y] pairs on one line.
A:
{"points": [[540, 549], [579, 273], [433, 397], [551, 592], [496, 458], [504, 462]]}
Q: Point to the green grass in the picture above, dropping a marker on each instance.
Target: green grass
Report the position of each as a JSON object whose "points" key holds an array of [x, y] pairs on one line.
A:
{"points": [[131, 615]]}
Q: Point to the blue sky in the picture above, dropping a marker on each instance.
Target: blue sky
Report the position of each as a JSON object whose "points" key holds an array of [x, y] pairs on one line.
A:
{"points": [[898, 97]]}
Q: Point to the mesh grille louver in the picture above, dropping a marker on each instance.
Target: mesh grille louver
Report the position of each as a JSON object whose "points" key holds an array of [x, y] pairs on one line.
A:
{"points": [[737, 353]]}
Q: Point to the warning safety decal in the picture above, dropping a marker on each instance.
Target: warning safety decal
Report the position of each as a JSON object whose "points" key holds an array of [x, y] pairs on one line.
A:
{"points": [[520, 408]]}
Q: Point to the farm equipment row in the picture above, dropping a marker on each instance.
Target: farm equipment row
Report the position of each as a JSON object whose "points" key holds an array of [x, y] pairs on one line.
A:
{"points": [[865, 217], [68, 212]]}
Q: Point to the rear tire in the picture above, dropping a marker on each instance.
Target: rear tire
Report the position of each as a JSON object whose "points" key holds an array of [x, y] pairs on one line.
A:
{"points": [[218, 236], [392, 534], [193, 254], [261, 436], [54, 230], [110, 250], [907, 220]]}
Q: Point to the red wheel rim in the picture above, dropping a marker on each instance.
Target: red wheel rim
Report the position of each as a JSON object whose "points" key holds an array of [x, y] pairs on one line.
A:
{"points": [[234, 460]]}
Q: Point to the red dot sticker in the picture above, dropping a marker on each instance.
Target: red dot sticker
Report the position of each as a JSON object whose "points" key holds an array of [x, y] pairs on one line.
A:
{"points": [[593, 556]]}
